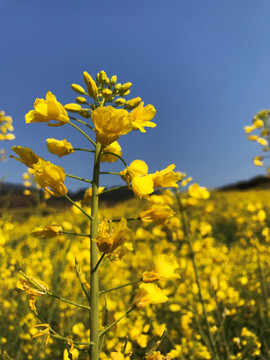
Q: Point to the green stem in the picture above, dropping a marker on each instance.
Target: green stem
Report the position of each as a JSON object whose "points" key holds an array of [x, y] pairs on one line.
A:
{"points": [[67, 301], [80, 279], [82, 149], [94, 281], [119, 287], [110, 173], [213, 347], [99, 261], [78, 207], [128, 219], [73, 233], [79, 178], [82, 132], [116, 321], [119, 157], [82, 122], [112, 189]]}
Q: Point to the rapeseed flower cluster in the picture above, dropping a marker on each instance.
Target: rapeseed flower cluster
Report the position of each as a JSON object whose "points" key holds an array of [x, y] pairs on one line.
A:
{"points": [[259, 132], [107, 115], [6, 131]]}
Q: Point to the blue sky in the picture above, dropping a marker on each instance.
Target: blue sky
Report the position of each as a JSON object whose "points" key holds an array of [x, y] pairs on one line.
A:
{"points": [[204, 65]]}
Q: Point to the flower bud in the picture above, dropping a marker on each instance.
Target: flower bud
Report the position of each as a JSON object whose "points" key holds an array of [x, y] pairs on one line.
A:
{"points": [[84, 113], [73, 107], [125, 93], [131, 104], [103, 78], [81, 100], [106, 93], [9, 137], [91, 85], [78, 89], [125, 87], [113, 80], [120, 101], [117, 87]]}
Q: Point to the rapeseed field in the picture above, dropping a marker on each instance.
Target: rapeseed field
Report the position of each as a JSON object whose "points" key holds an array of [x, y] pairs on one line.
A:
{"points": [[176, 272]]}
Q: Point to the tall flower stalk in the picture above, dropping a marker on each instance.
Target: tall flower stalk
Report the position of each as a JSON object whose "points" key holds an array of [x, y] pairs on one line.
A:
{"points": [[94, 281], [112, 116]]}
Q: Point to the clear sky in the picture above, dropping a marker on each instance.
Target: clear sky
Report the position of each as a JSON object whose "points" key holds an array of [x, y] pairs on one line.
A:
{"points": [[204, 65]]}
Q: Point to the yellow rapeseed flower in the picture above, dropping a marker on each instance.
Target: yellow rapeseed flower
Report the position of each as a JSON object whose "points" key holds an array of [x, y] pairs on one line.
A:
{"points": [[258, 161], [48, 175], [157, 214], [142, 186], [59, 147], [45, 332], [113, 148], [47, 110], [47, 232], [262, 141], [156, 356], [166, 177], [164, 267], [198, 192], [34, 287], [108, 241], [27, 156], [258, 123], [248, 129], [136, 168], [137, 179], [111, 123], [142, 116], [149, 294], [116, 356]]}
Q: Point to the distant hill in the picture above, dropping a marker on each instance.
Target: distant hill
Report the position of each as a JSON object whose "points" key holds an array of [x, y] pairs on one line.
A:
{"points": [[257, 182], [11, 195]]}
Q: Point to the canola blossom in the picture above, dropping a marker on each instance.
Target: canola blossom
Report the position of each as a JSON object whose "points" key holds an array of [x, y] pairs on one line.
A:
{"points": [[142, 115], [47, 232], [111, 152], [111, 123], [149, 294], [46, 111], [108, 241], [26, 156], [50, 177], [59, 147], [164, 267], [157, 214]]}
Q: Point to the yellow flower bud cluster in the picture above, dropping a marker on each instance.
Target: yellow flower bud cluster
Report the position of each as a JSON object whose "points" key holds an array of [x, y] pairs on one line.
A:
{"points": [[261, 122], [105, 91], [6, 132], [6, 127]]}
